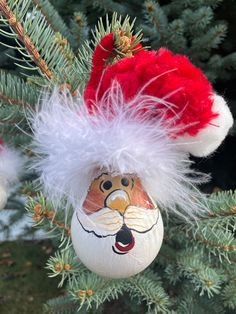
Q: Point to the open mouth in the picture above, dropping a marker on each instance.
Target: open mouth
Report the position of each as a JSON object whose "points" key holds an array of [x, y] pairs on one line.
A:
{"points": [[124, 241]]}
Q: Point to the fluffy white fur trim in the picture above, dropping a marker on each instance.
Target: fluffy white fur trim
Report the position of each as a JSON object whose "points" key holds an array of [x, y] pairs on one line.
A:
{"points": [[10, 165], [74, 146], [210, 138]]}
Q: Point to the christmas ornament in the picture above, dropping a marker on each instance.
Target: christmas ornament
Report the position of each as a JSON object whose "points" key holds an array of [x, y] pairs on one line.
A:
{"points": [[118, 220], [121, 150], [10, 165]]}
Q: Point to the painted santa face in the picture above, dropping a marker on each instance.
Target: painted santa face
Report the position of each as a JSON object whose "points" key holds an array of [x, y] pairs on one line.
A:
{"points": [[119, 230]]}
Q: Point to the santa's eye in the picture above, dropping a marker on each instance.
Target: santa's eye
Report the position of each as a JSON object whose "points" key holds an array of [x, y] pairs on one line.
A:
{"points": [[125, 181], [107, 185]]}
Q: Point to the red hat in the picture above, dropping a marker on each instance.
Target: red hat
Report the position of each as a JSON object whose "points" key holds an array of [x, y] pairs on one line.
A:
{"points": [[180, 94]]}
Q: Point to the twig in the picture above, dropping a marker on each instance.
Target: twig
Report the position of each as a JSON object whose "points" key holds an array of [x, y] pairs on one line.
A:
{"points": [[224, 247], [26, 40], [41, 213], [14, 101], [231, 212]]}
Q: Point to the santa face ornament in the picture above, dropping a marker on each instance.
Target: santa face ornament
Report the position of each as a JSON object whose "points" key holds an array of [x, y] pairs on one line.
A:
{"points": [[119, 230], [141, 115]]}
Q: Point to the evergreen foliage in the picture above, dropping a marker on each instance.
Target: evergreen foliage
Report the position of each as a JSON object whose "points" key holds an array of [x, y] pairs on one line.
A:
{"points": [[195, 270]]}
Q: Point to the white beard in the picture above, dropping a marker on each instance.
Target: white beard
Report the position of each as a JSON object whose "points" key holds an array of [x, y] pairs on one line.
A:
{"points": [[94, 237]]}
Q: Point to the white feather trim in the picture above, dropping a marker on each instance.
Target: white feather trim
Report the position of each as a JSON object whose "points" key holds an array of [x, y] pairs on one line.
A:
{"points": [[73, 146], [209, 138], [10, 165]]}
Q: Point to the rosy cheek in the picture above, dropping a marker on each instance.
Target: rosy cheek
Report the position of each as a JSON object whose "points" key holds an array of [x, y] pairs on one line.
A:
{"points": [[140, 198], [93, 202]]}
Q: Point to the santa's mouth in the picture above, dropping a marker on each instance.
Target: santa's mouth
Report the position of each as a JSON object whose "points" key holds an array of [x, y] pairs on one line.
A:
{"points": [[124, 241]]}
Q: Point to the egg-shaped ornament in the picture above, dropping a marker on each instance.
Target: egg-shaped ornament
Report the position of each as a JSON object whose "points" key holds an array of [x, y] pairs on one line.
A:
{"points": [[119, 230]]}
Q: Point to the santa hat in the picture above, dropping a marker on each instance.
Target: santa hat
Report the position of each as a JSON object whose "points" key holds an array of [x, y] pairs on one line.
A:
{"points": [[142, 115]]}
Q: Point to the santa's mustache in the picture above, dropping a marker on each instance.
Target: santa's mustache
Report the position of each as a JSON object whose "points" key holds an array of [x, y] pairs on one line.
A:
{"points": [[108, 222]]}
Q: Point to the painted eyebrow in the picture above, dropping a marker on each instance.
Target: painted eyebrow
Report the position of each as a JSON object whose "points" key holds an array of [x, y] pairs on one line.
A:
{"points": [[106, 173], [100, 186], [132, 183]]}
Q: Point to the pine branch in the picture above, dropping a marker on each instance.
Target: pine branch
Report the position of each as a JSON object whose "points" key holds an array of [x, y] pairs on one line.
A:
{"points": [[53, 18], [214, 235], [28, 188], [167, 259], [25, 39], [214, 231], [65, 264], [92, 291], [157, 17], [221, 202], [221, 67], [204, 278], [210, 40], [85, 62], [229, 295], [123, 32], [219, 243], [110, 6], [15, 91], [147, 287], [53, 222], [10, 136], [116, 26], [189, 301], [12, 101], [61, 305], [176, 7], [79, 29], [175, 38], [197, 21], [12, 124], [212, 3], [40, 45]]}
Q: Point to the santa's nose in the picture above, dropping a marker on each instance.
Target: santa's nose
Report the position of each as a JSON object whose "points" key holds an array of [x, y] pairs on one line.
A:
{"points": [[118, 200]]}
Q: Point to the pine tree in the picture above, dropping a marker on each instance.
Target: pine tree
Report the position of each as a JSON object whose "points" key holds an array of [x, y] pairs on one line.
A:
{"points": [[195, 270]]}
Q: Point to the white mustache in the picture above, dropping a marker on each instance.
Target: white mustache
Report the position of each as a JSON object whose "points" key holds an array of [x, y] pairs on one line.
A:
{"points": [[140, 219], [103, 222], [107, 222]]}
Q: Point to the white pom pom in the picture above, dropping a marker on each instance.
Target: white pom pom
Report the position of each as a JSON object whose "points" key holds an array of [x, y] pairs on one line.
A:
{"points": [[209, 138]]}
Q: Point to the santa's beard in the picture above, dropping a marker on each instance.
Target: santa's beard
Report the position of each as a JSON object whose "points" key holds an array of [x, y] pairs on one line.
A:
{"points": [[107, 222], [94, 239]]}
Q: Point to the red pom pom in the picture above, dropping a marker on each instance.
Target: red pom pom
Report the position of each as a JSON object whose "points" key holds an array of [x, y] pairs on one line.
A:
{"points": [[166, 75]]}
